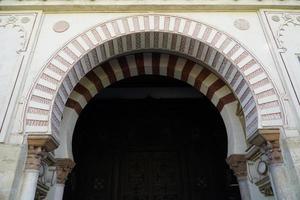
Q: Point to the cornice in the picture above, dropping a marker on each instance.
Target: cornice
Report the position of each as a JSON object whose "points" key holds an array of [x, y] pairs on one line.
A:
{"points": [[147, 5]]}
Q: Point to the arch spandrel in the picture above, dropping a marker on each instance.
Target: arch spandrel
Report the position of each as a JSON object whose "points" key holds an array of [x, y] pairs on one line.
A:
{"points": [[200, 42]]}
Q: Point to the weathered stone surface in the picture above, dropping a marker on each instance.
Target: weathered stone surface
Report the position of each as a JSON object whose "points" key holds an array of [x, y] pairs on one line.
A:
{"points": [[11, 165]]}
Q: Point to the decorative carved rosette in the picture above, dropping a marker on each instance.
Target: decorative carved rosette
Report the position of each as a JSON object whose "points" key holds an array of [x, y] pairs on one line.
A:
{"points": [[63, 168]]}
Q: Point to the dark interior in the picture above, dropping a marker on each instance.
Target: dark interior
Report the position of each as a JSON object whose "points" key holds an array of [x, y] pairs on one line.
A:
{"points": [[150, 147]]}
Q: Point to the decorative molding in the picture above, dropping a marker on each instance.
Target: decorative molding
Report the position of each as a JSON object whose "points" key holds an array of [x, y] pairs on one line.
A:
{"points": [[148, 5], [202, 43]]}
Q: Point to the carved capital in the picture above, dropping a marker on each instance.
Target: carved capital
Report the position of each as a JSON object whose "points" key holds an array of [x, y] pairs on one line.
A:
{"points": [[34, 157], [268, 141], [63, 168], [38, 147], [238, 163], [273, 152]]}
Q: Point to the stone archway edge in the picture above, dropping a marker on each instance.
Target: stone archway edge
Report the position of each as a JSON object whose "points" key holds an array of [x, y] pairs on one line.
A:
{"points": [[228, 58]]}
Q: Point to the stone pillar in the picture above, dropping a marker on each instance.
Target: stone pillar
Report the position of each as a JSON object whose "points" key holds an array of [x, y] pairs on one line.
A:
{"points": [[238, 163], [63, 168], [277, 171], [38, 147], [269, 142]]}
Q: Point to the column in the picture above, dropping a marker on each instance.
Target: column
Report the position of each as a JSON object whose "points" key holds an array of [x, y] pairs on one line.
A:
{"points": [[277, 173], [238, 163], [268, 140], [63, 167], [38, 147]]}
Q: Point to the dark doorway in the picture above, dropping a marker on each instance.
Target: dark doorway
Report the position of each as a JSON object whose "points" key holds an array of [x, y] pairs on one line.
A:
{"points": [[167, 145]]}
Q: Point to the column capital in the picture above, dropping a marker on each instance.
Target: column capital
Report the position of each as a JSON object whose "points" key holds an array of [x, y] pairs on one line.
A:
{"points": [[63, 167], [238, 163], [268, 141], [38, 147], [47, 142]]}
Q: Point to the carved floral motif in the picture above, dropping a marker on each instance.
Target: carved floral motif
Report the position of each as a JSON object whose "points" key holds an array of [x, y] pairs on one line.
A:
{"points": [[284, 20], [14, 26]]}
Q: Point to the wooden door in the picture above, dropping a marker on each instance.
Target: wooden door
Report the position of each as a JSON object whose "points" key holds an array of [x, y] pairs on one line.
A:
{"points": [[151, 175]]}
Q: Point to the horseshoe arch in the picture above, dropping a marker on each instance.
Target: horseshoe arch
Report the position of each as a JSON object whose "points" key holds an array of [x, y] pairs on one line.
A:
{"points": [[207, 46]]}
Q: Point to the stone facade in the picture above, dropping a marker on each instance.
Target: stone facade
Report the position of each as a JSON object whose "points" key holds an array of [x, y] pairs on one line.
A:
{"points": [[241, 54]]}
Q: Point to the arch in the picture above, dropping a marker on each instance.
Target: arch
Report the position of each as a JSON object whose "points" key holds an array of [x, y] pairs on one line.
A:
{"points": [[213, 87], [163, 64], [219, 52]]}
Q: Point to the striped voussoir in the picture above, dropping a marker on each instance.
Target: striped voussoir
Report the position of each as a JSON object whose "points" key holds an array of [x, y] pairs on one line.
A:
{"points": [[200, 42], [183, 69]]}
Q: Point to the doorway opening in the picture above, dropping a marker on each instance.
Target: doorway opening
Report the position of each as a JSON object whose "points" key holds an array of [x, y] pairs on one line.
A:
{"points": [[150, 138]]}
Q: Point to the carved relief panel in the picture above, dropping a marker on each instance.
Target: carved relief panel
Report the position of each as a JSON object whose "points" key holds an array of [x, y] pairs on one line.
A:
{"points": [[16, 30], [283, 29]]}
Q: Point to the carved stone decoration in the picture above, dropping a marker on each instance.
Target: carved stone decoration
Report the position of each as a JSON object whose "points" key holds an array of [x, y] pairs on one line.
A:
{"points": [[267, 149], [34, 157], [41, 191], [47, 142], [47, 170], [285, 47], [238, 163], [63, 168], [46, 177], [275, 18], [261, 180], [287, 20], [38, 147], [242, 24], [284, 21], [61, 26], [12, 27], [268, 141], [25, 20], [16, 30], [39, 158], [273, 151], [265, 187]]}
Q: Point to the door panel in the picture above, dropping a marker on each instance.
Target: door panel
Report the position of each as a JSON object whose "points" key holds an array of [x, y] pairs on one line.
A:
{"points": [[151, 176]]}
